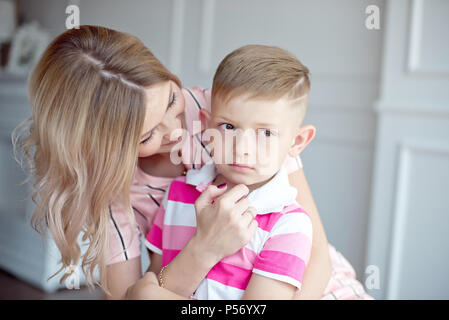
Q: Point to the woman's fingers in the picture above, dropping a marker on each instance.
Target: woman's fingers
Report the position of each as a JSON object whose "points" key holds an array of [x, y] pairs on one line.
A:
{"points": [[234, 194], [240, 207], [248, 216], [206, 198], [253, 226], [150, 277]]}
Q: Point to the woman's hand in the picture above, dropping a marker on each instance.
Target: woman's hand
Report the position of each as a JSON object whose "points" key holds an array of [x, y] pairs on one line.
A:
{"points": [[225, 225], [144, 288]]}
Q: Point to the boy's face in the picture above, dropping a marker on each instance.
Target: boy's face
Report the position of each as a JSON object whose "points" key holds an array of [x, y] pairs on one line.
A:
{"points": [[255, 136]]}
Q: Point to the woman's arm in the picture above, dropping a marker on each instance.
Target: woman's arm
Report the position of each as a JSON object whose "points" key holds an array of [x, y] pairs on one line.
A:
{"points": [[183, 275], [120, 276], [147, 288], [318, 270]]}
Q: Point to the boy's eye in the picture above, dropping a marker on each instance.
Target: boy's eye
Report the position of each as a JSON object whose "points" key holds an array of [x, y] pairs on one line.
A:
{"points": [[266, 132], [227, 126]]}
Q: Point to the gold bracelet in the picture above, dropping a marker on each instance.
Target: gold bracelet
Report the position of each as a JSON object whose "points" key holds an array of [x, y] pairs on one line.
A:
{"points": [[161, 277]]}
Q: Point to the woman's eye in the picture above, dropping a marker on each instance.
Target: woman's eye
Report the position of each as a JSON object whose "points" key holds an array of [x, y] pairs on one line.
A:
{"points": [[147, 139], [172, 101], [227, 126]]}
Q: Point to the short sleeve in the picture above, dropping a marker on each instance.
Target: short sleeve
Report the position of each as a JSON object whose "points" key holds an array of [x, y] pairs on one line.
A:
{"points": [[153, 240], [293, 164], [286, 252], [195, 153], [124, 240]]}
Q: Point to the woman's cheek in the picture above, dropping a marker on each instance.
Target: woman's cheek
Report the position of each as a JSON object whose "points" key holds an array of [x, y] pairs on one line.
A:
{"points": [[181, 103], [147, 150]]}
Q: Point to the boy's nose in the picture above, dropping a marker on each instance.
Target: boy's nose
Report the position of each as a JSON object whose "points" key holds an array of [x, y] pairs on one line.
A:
{"points": [[244, 145]]}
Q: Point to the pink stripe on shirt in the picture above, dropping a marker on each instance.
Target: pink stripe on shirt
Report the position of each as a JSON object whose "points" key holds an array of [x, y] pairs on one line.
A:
{"points": [[155, 236], [297, 244], [168, 255], [292, 266], [267, 221], [176, 237], [230, 275], [178, 192], [243, 258]]}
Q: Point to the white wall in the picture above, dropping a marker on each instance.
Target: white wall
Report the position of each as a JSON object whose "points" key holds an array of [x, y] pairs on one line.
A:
{"points": [[409, 219]]}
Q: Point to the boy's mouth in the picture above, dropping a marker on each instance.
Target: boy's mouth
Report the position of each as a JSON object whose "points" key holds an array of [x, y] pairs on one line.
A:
{"points": [[241, 167]]}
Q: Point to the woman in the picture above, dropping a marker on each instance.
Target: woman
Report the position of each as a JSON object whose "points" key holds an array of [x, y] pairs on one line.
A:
{"points": [[103, 110]]}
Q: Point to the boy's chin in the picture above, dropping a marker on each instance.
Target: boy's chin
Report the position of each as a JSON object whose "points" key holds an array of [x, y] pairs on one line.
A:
{"points": [[246, 178]]}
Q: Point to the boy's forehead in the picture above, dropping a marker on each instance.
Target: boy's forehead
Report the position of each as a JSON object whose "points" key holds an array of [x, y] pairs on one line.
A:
{"points": [[255, 110]]}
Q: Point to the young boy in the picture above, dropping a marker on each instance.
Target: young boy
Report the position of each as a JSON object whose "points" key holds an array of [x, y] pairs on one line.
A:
{"points": [[259, 99]]}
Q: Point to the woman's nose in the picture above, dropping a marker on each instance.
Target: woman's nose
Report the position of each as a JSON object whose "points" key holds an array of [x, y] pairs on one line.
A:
{"points": [[169, 122], [169, 125]]}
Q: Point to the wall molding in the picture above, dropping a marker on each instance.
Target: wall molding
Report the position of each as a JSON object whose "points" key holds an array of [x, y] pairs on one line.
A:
{"points": [[399, 218], [413, 107], [415, 35], [206, 36], [415, 26]]}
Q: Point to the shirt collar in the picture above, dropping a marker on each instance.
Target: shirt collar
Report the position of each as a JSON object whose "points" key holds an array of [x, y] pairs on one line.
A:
{"points": [[273, 196]]}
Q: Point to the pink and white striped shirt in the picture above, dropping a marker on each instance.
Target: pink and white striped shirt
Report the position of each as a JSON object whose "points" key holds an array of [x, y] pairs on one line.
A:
{"points": [[280, 248]]}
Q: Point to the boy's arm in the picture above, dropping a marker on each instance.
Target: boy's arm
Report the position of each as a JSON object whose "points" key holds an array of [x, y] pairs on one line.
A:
{"points": [[263, 288], [318, 270], [278, 268]]}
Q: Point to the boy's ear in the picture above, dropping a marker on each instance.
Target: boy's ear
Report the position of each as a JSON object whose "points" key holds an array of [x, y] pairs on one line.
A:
{"points": [[303, 138], [204, 118]]}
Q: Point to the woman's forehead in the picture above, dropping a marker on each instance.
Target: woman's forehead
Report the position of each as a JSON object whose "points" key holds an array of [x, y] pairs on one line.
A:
{"points": [[157, 98]]}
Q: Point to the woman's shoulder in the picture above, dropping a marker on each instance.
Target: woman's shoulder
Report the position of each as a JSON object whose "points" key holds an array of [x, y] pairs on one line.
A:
{"points": [[196, 98]]}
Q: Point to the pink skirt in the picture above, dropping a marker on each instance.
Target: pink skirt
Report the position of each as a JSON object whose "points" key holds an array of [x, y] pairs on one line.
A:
{"points": [[343, 284]]}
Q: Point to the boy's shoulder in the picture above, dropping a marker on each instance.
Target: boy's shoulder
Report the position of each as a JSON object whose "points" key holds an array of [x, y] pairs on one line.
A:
{"points": [[294, 207], [181, 191], [291, 219]]}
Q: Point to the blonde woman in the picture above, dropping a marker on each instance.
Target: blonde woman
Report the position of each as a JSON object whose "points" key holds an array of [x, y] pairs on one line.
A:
{"points": [[98, 143]]}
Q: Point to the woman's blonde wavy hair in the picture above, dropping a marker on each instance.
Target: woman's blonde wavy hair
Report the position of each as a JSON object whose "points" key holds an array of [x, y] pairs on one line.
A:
{"points": [[88, 105]]}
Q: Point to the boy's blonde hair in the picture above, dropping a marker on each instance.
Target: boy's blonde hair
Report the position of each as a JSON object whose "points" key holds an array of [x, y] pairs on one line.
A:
{"points": [[261, 71]]}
